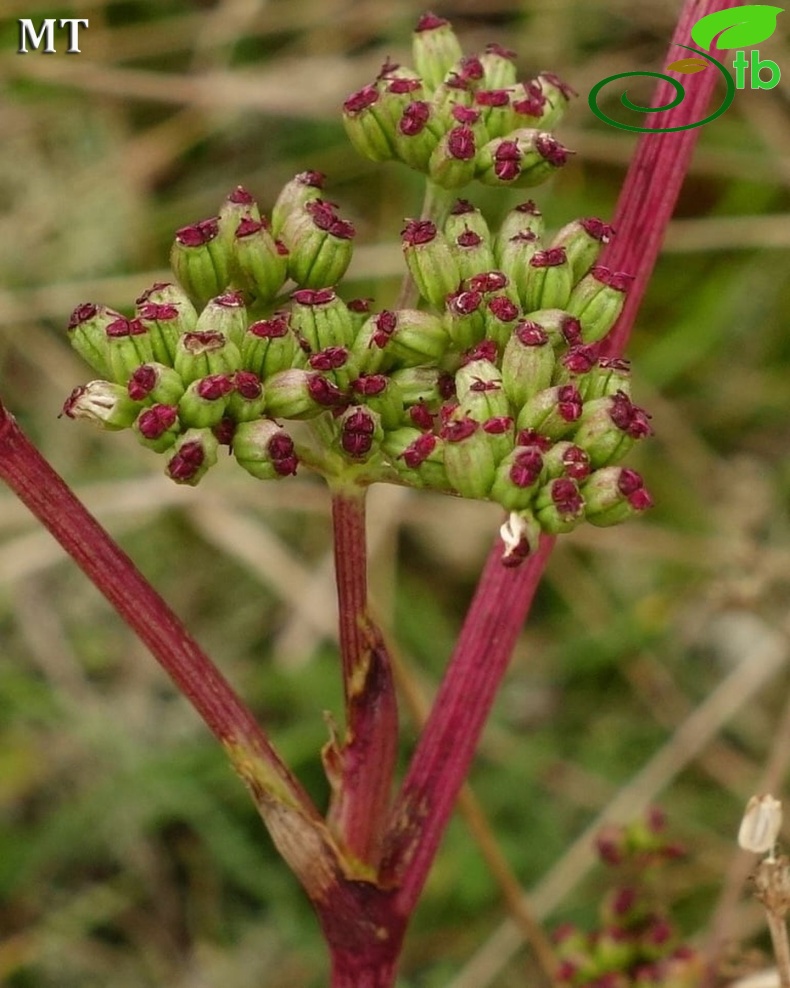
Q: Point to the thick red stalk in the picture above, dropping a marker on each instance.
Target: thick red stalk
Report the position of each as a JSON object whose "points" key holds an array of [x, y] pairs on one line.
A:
{"points": [[654, 179], [360, 767], [447, 744], [44, 492]]}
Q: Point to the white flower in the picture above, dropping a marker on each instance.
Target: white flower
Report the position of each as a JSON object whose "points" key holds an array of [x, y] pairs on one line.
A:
{"points": [[760, 826]]}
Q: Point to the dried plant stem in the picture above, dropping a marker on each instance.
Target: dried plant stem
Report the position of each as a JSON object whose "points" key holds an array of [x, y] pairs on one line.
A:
{"points": [[778, 930]]}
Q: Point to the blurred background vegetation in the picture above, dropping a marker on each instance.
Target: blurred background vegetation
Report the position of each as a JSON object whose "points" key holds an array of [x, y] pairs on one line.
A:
{"points": [[654, 665]]}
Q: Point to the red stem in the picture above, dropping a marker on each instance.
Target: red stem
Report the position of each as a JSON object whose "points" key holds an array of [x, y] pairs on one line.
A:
{"points": [[655, 176], [47, 496], [361, 768], [501, 604]]}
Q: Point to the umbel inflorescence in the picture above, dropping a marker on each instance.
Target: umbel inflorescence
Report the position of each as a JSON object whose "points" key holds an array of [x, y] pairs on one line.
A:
{"points": [[490, 386]]}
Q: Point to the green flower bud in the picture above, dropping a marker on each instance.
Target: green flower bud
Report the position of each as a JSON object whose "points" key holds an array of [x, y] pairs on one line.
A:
{"points": [[333, 362], [417, 338], [269, 346], [418, 457], [239, 206], [157, 427], [264, 449], [383, 396], [609, 427], [468, 457], [514, 258], [524, 158], [226, 314], [607, 377], [547, 281], [294, 196], [452, 162], [104, 404], [520, 535], [574, 366], [500, 430], [465, 216], [321, 319], [201, 354], [320, 245], [583, 240], [128, 346], [525, 218], [360, 433], [518, 478], [497, 113], [301, 394], [435, 49], [87, 334], [369, 352], [201, 260], [499, 67], [454, 91], [552, 412], [558, 95], [597, 301], [465, 318], [165, 326], [417, 135], [203, 404], [192, 455], [613, 494], [246, 400], [479, 388], [501, 316], [566, 459], [155, 383], [423, 385], [472, 254], [527, 363], [169, 293], [260, 263], [530, 106], [399, 88], [562, 329], [559, 506], [359, 311], [367, 125], [430, 260]]}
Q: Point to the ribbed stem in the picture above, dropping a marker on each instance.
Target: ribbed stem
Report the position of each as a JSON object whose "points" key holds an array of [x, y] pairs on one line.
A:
{"points": [[361, 767]]}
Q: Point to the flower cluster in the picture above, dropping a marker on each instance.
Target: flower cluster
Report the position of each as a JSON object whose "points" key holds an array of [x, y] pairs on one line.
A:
{"points": [[636, 943], [491, 387], [458, 118]]}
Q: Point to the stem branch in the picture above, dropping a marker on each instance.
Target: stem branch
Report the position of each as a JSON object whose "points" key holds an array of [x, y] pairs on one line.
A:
{"points": [[360, 768]]}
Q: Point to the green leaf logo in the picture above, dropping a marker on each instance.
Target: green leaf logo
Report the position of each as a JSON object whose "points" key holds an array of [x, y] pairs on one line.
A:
{"points": [[739, 27], [688, 65]]}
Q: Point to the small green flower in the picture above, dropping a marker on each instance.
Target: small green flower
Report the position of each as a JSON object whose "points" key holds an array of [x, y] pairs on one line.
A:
{"points": [[192, 456], [201, 260], [103, 403], [435, 49], [264, 449]]}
